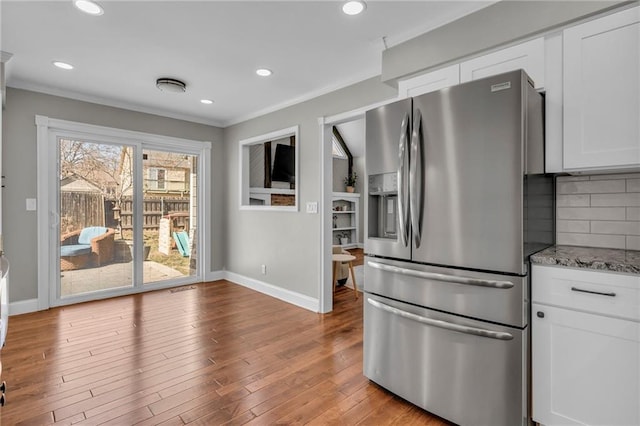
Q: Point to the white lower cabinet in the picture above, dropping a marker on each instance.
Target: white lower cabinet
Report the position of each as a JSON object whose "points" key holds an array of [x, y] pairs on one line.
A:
{"points": [[585, 366]]}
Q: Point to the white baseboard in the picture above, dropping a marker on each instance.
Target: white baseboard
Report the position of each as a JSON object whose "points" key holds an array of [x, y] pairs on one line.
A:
{"points": [[23, 307], [214, 275], [288, 296], [306, 302]]}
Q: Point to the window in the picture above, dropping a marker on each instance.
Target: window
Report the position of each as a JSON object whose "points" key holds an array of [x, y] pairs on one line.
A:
{"points": [[156, 178], [338, 152]]}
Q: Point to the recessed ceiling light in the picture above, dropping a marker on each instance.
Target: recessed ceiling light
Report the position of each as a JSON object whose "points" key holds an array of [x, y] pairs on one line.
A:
{"points": [[89, 7], [171, 85], [264, 72], [206, 101], [63, 65], [354, 7]]}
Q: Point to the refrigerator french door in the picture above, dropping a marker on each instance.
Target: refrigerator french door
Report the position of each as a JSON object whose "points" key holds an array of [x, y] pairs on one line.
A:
{"points": [[453, 162], [461, 173]]}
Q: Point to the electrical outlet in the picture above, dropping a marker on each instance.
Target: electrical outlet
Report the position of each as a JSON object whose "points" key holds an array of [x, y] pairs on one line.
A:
{"points": [[263, 268]]}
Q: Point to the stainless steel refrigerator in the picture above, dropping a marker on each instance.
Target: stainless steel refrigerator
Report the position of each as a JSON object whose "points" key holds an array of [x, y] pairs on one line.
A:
{"points": [[457, 201]]}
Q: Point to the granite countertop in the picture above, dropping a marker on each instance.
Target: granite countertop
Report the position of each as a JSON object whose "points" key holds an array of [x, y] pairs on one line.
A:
{"points": [[602, 259]]}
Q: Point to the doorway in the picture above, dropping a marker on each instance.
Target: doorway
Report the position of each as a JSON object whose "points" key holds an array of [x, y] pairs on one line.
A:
{"points": [[343, 217]]}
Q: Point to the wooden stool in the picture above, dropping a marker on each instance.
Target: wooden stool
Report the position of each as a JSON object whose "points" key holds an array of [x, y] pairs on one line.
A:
{"points": [[340, 258]]}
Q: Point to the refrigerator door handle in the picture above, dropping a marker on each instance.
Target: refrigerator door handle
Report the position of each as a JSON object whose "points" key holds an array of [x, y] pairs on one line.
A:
{"points": [[499, 335], [415, 179], [403, 186], [441, 277]]}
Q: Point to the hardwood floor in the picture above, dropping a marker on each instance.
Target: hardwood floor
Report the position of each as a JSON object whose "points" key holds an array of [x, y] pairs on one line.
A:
{"points": [[212, 353], [359, 254]]}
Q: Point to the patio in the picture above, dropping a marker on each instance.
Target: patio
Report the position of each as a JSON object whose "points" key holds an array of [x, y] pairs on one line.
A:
{"points": [[110, 276]]}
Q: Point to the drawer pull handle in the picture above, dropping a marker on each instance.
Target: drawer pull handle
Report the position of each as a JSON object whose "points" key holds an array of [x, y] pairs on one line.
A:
{"points": [[441, 277], [599, 293], [499, 335]]}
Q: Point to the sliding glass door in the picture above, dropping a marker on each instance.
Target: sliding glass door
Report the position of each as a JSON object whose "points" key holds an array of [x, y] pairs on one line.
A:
{"points": [[96, 251], [120, 211], [169, 214]]}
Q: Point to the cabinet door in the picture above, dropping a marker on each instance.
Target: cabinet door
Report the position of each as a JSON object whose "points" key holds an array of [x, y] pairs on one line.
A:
{"points": [[601, 81], [528, 56], [586, 368], [429, 82]]}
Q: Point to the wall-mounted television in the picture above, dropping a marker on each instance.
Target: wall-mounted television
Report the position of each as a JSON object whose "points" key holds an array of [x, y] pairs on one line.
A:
{"points": [[284, 166]]}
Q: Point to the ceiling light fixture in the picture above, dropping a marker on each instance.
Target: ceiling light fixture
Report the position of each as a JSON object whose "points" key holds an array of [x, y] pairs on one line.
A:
{"points": [[206, 101], [171, 85], [63, 65], [89, 7], [264, 72], [354, 7]]}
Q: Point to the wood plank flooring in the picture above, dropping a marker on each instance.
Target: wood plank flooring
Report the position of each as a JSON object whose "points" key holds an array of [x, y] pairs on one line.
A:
{"points": [[207, 354], [359, 254]]}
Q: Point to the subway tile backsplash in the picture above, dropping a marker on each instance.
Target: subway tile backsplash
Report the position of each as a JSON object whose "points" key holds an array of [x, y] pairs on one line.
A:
{"points": [[599, 211]]}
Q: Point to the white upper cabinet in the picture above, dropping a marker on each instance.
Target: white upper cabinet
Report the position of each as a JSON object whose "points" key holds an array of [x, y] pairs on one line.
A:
{"points": [[528, 56], [429, 82], [601, 79]]}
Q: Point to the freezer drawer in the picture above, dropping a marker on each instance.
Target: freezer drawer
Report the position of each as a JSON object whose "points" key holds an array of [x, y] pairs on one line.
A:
{"points": [[492, 297], [467, 371]]}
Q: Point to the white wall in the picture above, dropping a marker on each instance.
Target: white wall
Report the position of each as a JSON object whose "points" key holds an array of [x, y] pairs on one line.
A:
{"points": [[19, 167], [288, 243]]}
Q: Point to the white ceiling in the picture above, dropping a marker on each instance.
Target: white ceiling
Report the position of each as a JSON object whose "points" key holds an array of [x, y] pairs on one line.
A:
{"points": [[213, 46], [353, 134]]}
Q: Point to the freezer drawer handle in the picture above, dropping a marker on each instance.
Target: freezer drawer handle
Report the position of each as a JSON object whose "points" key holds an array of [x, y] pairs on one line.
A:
{"points": [[442, 277], [499, 335], [599, 293]]}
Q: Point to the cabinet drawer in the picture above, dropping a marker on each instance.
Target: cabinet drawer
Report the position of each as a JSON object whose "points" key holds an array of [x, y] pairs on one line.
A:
{"points": [[607, 293]]}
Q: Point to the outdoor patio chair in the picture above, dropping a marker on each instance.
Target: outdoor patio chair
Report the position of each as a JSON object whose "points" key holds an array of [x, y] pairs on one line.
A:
{"points": [[91, 246]]}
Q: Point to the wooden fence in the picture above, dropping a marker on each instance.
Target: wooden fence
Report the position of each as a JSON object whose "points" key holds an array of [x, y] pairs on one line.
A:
{"points": [[152, 211], [81, 209]]}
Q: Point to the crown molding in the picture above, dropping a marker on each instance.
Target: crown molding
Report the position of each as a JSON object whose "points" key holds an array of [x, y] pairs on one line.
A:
{"points": [[19, 84], [306, 97]]}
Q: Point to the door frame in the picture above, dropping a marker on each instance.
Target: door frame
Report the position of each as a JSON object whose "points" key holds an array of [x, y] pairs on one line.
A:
{"points": [[48, 130], [325, 286]]}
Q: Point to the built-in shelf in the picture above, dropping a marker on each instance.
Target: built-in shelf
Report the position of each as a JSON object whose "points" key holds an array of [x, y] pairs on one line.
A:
{"points": [[345, 220]]}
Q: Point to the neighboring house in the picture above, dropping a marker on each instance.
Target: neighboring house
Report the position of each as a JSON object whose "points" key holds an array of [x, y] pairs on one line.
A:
{"points": [[74, 183], [163, 174]]}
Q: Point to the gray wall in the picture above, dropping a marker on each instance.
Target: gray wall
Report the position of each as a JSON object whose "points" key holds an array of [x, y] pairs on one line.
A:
{"points": [[19, 167], [488, 28], [340, 171], [288, 243]]}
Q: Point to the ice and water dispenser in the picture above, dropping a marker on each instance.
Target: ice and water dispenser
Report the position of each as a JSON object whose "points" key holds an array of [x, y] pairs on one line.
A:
{"points": [[383, 206]]}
